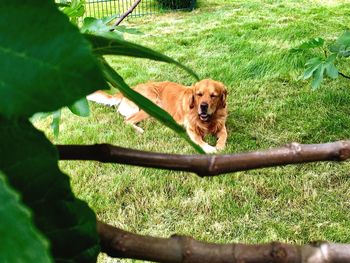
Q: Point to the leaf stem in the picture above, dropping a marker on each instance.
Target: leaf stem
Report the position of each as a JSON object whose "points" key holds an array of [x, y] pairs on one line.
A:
{"points": [[343, 75], [325, 52]]}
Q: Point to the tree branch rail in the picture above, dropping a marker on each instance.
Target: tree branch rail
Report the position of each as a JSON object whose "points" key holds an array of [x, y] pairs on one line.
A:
{"points": [[122, 244], [209, 165]]}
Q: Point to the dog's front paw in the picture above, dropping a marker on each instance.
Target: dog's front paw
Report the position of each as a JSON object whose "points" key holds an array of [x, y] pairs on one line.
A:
{"points": [[138, 129], [208, 149], [220, 147]]}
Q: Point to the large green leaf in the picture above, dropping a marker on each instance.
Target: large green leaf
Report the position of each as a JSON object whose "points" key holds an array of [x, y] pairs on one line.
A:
{"points": [[80, 108], [318, 76], [342, 45], [75, 9], [45, 62], [148, 106], [128, 30], [104, 45], [30, 162], [311, 43], [101, 27], [55, 124], [312, 66], [97, 26], [331, 70], [316, 67], [20, 240]]}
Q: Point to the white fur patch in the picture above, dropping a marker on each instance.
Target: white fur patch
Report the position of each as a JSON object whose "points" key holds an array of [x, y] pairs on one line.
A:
{"points": [[208, 149], [127, 108], [103, 99]]}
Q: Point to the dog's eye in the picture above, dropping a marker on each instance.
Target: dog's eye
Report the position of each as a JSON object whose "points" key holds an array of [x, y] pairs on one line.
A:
{"points": [[199, 94], [213, 95]]}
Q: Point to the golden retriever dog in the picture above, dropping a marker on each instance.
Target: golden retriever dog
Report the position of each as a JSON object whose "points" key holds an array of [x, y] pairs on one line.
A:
{"points": [[201, 108]]}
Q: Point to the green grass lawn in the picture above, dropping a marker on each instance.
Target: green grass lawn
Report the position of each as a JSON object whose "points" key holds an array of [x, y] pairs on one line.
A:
{"points": [[246, 45]]}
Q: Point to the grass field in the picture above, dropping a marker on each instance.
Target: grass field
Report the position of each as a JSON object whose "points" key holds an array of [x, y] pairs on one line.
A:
{"points": [[246, 45]]}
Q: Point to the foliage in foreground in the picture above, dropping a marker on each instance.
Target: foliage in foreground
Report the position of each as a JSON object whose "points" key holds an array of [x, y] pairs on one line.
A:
{"points": [[246, 45], [58, 67], [324, 64]]}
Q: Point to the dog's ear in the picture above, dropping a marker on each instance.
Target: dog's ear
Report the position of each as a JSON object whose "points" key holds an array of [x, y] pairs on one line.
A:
{"points": [[188, 101], [192, 100], [223, 98]]}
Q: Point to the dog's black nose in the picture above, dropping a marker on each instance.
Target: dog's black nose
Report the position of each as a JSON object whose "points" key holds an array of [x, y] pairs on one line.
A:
{"points": [[204, 106]]}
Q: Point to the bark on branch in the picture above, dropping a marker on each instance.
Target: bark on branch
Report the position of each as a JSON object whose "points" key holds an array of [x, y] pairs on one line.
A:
{"points": [[129, 11], [119, 243], [209, 165]]}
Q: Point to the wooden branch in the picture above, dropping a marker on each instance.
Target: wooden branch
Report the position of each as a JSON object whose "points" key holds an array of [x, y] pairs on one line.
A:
{"points": [[129, 11], [119, 243], [209, 165]]}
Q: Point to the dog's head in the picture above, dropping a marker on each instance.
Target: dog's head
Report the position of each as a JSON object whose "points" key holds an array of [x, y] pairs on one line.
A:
{"points": [[208, 96]]}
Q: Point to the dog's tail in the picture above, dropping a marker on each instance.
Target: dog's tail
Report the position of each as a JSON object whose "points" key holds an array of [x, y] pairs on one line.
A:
{"points": [[105, 98], [125, 106]]}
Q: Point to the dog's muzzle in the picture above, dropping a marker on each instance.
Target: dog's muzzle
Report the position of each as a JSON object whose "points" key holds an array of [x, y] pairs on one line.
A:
{"points": [[203, 115]]}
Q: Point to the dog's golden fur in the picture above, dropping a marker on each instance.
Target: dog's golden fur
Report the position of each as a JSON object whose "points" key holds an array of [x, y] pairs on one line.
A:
{"points": [[201, 108]]}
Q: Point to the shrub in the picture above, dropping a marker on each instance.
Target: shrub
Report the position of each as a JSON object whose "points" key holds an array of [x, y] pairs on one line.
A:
{"points": [[176, 4]]}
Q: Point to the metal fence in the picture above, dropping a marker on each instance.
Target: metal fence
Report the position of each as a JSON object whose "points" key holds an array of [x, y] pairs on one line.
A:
{"points": [[103, 8]]}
